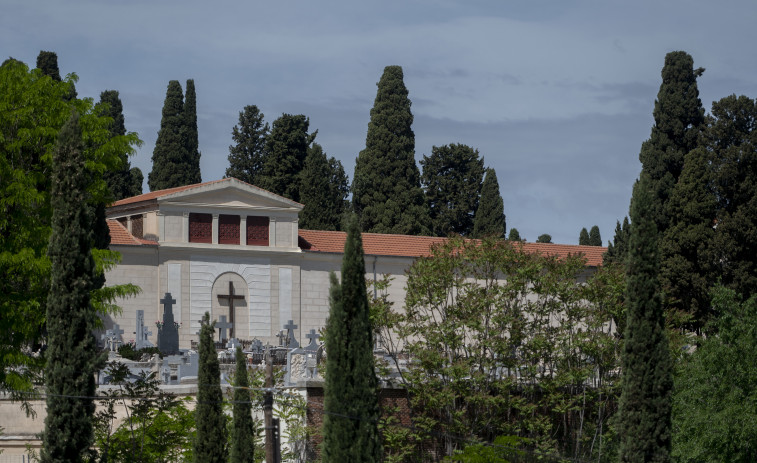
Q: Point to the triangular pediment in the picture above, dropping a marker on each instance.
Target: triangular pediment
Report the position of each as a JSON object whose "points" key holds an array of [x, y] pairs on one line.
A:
{"points": [[231, 193]]}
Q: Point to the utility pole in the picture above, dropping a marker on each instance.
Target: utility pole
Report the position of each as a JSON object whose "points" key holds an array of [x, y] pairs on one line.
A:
{"points": [[268, 409]]}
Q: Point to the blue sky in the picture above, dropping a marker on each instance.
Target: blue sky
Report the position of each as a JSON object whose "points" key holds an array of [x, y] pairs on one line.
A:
{"points": [[556, 95]]}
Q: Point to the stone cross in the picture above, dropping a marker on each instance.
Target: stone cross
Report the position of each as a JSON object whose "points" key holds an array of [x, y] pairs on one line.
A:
{"points": [[281, 337], [110, 339], [291, 341], [142, 332], [168, 336], [222, 326], [313, 336], [230, 298], [117, 331], [257, 346]]}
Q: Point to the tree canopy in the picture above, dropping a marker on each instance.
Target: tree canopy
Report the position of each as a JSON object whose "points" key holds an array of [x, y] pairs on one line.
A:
{"points": [[247, 155], [286, 148], [490, 215], [324, 191]]}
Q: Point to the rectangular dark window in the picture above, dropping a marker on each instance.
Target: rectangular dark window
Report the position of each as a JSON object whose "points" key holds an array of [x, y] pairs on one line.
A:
{"points": [[200, 228], [228, 229], [257, 230], [136, 226]]}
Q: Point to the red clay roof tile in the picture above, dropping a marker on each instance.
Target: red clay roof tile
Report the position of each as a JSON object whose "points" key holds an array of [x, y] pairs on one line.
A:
{"points": [[121, 236]]}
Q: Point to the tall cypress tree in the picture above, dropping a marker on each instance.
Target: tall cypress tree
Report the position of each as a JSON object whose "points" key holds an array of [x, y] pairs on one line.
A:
{"points": [[583, 237], [678, 116], [286, 149], [451, 179], [246, 157], [121, 181], [595, 239], [490, 215], [210, 441], [243, 433], [323, 191], [618, 248], [171, 162], [47, 62], [645, 402], [386, 192], [191, 134], [350, 423], [72, 357]]}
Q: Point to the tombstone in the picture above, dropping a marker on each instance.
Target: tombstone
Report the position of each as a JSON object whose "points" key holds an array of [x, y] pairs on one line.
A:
{"points": [[256, 346], [111, 338], [281, 337], [313, 346], [291, 342], [222, 325], [168, 335], [233, 344], [296, 367], [142, 333]]}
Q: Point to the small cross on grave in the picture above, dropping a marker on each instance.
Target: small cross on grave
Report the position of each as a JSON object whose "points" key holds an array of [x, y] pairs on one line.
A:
{"points": [[168, 336], [281, 337], [313, 336], [291, 341], [109, 339], [117, 331], [257, 346], [168, 303], [222, 326], [230, 298]]}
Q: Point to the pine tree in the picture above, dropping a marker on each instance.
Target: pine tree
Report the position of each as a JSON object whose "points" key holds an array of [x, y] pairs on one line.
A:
{"points": [[618, 249], [451, 179], [246, 157], [645, 402], [386, 192], [286, 149], [350, 424], [243, 433], [210, 442], [678, 115], [172, 165], [72, 358], [324, 191], [583, 237], [490, 215], [191, 134], [595, 239], [514, 235]]}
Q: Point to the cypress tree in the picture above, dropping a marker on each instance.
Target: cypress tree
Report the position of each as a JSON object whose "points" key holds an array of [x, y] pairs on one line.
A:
{"points": [[490, 215], [210, 441], [595, 239], [386, 192], [191, 134], [246, 157], [119, 180], [137, 179], [286, 149], [645, 402], [451, 179], [72, 358], [678, 115], [171, 162], [514, 235], [47, 62], [324, 191], [350, 423], [583, 237], [243, 433], [618, 248]]}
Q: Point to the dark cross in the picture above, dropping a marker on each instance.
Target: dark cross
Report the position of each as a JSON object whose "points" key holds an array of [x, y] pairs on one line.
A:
{"points": [[117, 330], [230, 299], [290, 327], [222, 324], [281, 337], [168, 303], [313, 336]]}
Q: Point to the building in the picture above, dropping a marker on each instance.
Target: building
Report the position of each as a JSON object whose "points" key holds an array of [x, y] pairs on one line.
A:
{"points": [[235, 250]]}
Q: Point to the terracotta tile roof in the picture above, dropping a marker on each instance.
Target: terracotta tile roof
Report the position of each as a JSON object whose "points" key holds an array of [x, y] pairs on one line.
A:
{"points": [[419, 246], [121, 236], [159, 193]]}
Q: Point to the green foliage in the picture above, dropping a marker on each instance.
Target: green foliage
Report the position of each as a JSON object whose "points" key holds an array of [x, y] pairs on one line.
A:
{"points": [[514, 235], [451, 179], [715, 401], [618, 249], [242, 448], [246, 157], [158, 426], [120, 179], [645, 402], [128, 351], [504, 343], [386, 192], [504, 449], [490, 215], [324, 191], [583, 237], [72, 358], [544, 238], [350, 422], [33, 108], [595, 239], [190, 133], [210, 443], [286, 148], [172, 164], [47, 62]]}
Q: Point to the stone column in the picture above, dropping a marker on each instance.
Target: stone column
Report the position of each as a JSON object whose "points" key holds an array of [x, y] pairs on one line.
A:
{"points": [[243, 230], [185, 226], [215, 229]]}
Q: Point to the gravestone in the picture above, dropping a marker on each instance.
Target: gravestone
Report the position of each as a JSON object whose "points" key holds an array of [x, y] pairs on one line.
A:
{"points": [[111, 337], [222, 325], [142, 333], [291, 341], [281, 337], [168, 335], [313, 346]]}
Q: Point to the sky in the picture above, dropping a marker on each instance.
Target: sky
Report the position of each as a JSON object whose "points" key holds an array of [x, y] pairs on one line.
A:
{"points": [[556, 95]]}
